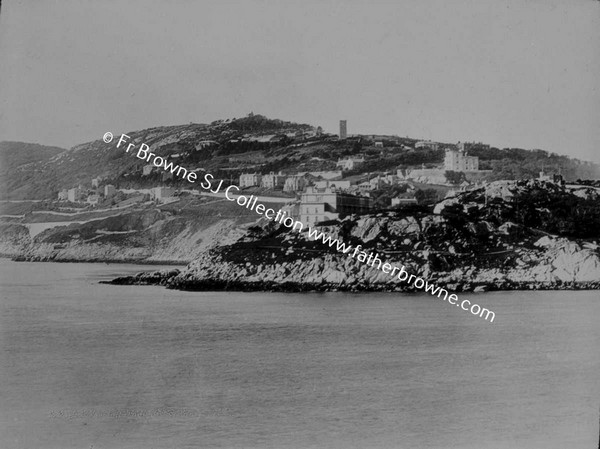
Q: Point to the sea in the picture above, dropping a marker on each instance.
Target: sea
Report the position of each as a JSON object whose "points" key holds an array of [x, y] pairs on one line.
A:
{"points": [[87, 365]]}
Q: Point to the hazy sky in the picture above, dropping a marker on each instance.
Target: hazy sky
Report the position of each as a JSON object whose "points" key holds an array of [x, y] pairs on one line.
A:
{"points": [[510, 73]]}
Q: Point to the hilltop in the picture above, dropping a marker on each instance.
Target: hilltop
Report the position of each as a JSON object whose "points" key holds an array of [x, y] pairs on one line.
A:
{"points": [[36, 172]]}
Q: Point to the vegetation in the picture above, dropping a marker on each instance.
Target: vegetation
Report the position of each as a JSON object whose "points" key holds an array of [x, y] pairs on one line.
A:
{"points": [[427, 196], [455, 177]]}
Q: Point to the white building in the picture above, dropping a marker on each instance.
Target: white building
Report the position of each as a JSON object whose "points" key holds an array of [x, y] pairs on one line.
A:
{"points": [[427, 144], [326, 204], [74, 195], [544, 177], [147, 169], [109, 190], [96, 182], [249, 180], [162, 194], [205, 143], [458, 160], [350, 163]]}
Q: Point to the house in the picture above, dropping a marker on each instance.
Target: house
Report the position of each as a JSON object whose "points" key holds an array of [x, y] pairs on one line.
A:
{"points": [[162, 194], [205, 144], [63, 195], [147, 169], [273, 181], [350, 163], [427, 144], [74, 195], [327, 204], [543, 176], [294, 184], [109, 190], [379, 144], [96, 182], [458, 160], [249, 180]]}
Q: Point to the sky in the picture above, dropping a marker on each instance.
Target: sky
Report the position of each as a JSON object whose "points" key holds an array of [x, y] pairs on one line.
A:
{"points": [[511, 73]]}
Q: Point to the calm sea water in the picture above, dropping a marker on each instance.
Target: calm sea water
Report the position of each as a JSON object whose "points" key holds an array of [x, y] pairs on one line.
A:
{"points": [[84, 365]]}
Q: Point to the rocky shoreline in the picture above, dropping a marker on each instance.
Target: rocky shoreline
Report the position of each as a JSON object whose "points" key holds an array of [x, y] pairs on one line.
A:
{"points": [[171, 279]]}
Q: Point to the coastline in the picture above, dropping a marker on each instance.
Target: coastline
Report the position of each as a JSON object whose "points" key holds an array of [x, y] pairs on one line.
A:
{"points": [[171, 280]]}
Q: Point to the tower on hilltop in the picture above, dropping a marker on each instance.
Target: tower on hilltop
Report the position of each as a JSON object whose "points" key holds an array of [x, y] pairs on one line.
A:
{"points": [[343, 129]]}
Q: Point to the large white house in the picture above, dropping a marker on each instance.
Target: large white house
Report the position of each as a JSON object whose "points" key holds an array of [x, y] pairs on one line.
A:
{"points": [[350, 163], [458, 160]]}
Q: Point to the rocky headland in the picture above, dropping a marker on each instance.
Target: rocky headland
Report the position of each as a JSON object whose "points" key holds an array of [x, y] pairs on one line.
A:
{"points": [[502, 236]]}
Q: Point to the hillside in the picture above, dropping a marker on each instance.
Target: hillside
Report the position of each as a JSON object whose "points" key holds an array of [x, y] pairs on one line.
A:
{"points": [[227, 148], [20, 164]]}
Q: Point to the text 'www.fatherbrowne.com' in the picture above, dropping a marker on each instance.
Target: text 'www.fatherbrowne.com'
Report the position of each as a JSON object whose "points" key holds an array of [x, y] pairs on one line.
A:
{"points": [[282, 217]]}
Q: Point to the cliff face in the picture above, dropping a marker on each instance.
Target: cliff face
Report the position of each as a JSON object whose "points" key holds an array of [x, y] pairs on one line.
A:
{"points": [[469, 243], [148, 235]]}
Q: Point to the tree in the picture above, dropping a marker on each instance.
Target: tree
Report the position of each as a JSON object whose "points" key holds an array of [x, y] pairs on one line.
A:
{"points": [[455, 177], [426, 196]]}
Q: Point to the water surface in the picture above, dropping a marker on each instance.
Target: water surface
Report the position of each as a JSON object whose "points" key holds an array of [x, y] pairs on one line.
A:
{"points": [[86, 365]]}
